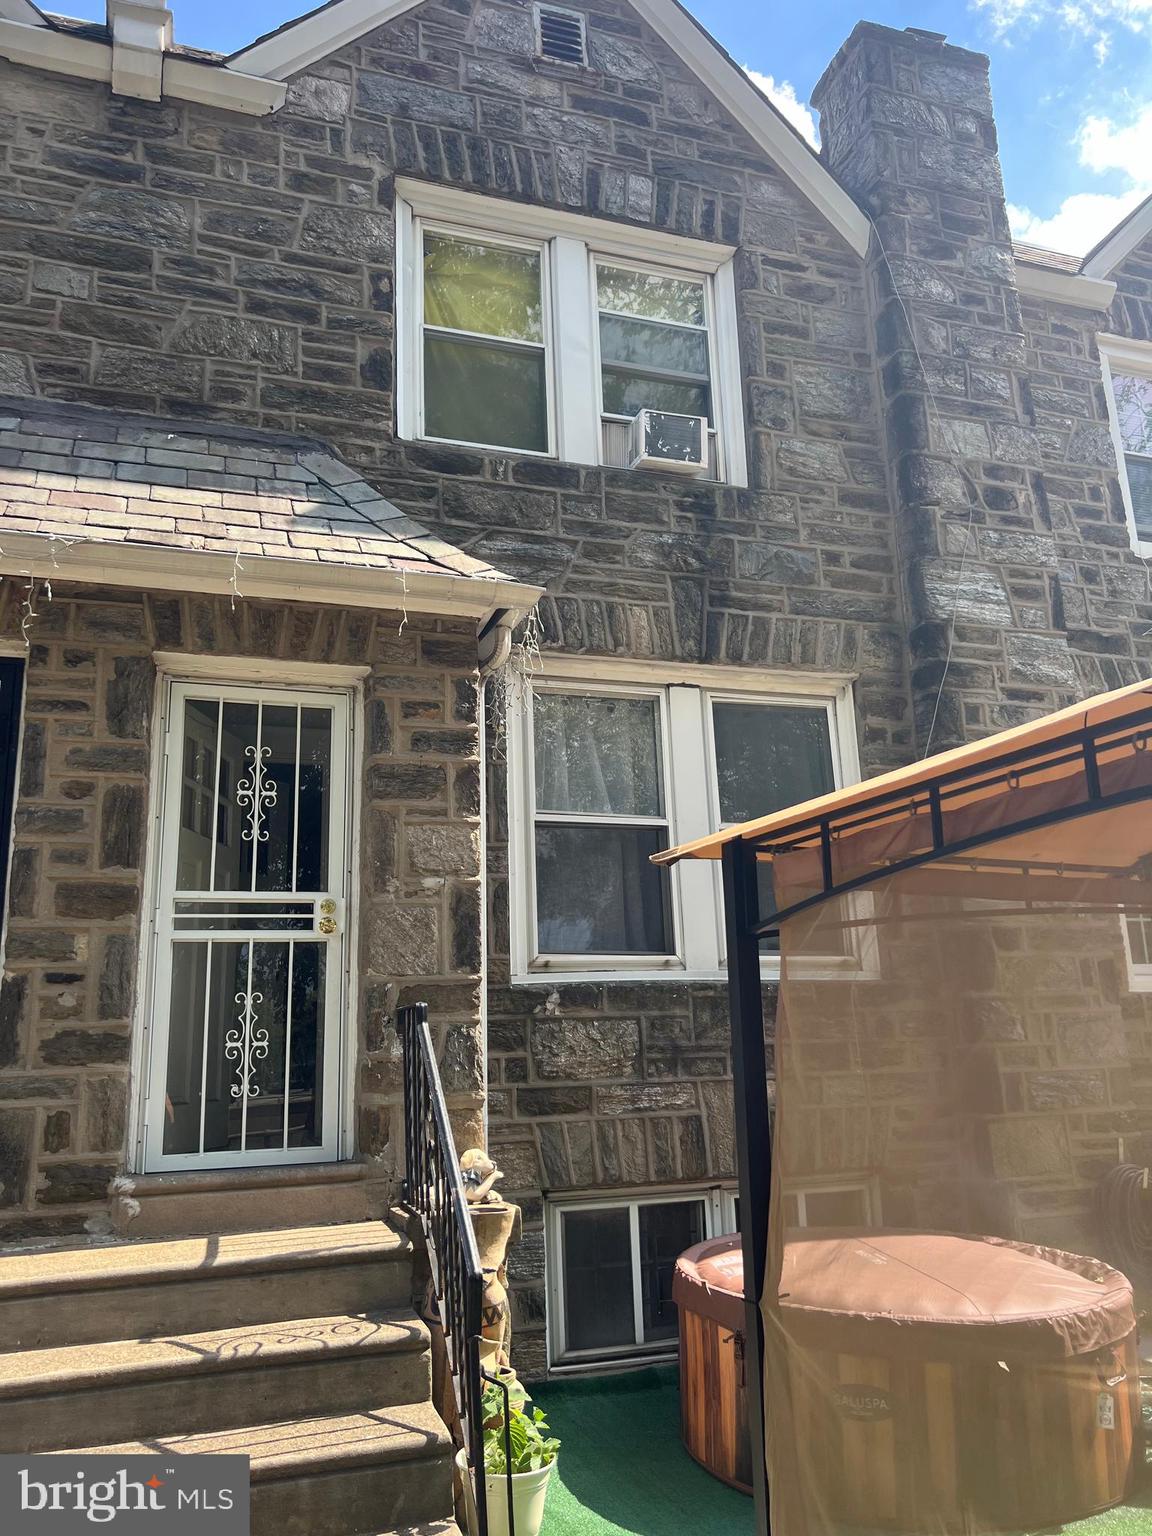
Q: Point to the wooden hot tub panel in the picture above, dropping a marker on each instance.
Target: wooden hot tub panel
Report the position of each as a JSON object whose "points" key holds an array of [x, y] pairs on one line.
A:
{"points": [[713, 1415]]}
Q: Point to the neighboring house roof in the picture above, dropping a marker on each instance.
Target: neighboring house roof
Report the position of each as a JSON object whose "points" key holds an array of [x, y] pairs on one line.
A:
{"points": [[203, 506], [1039, 256]]}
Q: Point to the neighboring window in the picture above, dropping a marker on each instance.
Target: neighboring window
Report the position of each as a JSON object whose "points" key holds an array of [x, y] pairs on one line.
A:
{"points": [[829, 1205], [1133, 395], [654, 350], [606, 775], [600, 815], [611, 1263], [485, 378], [560, 35], [1137, 933], [542, 331]]}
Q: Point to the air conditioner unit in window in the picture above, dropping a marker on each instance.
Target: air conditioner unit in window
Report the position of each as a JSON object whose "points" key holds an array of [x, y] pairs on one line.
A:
{"points": [[667, 441]]}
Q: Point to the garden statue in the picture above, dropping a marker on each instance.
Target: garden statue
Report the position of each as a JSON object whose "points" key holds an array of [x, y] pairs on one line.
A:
{"points": [[496, 1224]]}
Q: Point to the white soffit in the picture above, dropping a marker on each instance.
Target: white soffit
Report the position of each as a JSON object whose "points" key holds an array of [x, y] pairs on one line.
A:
{"points": [[312, 38], [1073, 288], [1119, 245]]}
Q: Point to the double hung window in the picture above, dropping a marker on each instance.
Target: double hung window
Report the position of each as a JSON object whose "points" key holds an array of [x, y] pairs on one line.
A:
{"points": [[541, 331], [605, 774], [485, 361]]}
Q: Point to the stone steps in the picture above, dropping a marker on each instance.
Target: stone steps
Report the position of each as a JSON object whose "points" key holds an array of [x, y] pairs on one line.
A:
{"points": [[246, 1200], [85, 1295], [296, 1347], [213, 1381], [332, 1475]]}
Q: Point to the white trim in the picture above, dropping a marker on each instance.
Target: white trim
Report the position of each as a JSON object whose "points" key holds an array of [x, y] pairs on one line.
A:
{"points": [[538, 32], [42, 47], [265, 576], [1120, 244], [315, 37], [1136, 356], [256, 669], [22, 11], [689, 779], [305, 42], [570, 246], [141, 35], [496, 215], [1072, 288]]}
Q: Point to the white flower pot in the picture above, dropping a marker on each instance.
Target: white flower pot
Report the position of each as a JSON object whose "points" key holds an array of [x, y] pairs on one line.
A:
{"points": [[529, 1490]]}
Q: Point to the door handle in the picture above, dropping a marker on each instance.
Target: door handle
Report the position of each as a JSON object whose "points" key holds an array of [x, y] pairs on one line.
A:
{"points": [[327, 925]]}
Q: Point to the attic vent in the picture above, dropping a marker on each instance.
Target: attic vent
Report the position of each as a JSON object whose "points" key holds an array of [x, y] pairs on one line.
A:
{"points": [[560, 35]]}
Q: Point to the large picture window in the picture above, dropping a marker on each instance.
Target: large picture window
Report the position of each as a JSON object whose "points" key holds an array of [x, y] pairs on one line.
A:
{"points": [[542, 331], [605, 774]]}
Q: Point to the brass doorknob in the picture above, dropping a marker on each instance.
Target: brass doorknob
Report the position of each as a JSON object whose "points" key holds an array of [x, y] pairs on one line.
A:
{"points": [[327, 925]]}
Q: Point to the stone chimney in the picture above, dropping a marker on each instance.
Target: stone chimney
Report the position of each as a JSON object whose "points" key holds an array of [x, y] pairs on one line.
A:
{"points": [[907, 126]]}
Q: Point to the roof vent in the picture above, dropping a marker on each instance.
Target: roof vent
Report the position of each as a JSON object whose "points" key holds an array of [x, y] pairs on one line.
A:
{"points": [[560, 35]]}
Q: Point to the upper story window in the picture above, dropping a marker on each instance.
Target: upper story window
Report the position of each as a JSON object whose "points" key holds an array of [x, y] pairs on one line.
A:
{"points": [[606, 771], [485, 359], [1128, 378], [538, 331]]}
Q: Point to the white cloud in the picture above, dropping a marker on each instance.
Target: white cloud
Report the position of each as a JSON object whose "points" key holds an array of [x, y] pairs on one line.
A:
{"points": [[783, 96], [1090, 17], [1086, 217]]}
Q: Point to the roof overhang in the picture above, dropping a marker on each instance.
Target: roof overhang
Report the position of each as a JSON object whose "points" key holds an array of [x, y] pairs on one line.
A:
{"points": [[1119, 244], [36, 556], [129, 70], [1071, 288]]}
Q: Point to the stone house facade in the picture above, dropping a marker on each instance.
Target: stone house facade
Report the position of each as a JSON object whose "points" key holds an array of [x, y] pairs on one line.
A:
{"points": [[913, 531]]}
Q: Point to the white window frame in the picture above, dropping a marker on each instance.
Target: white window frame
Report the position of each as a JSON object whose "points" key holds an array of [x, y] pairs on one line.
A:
{"points": [[691, 801], [1119, 355], [570, 242], [716, 438], [1139, 973], [422, 227], [719, 1209], [837, 1184]]}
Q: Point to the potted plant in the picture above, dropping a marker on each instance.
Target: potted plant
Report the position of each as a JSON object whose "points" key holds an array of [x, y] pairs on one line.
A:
{"points": [[533, 1455]]}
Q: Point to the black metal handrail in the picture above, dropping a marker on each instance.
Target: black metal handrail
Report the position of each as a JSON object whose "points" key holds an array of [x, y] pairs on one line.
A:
{"points": [[434, 1192]]}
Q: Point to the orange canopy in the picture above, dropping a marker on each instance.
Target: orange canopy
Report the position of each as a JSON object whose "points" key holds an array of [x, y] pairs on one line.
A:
{"points": [[899, 789]]}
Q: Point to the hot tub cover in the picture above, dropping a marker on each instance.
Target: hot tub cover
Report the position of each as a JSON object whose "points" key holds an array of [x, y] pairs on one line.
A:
{"points": [[709, 1279], [926, 1293]]}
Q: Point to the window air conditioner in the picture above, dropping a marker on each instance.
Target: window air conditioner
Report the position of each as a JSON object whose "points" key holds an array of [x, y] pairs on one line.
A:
{"points": [[664, 440]]}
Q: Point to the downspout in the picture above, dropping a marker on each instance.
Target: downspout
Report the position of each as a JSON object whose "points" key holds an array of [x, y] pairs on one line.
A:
{"points": [[493, 648]]}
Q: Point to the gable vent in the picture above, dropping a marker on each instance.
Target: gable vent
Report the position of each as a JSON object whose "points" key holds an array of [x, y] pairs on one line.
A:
{"points": [[560, 35]]}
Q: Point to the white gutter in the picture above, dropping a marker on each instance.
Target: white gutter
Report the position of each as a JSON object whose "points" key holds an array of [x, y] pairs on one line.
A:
{"points": [[1072, 288], [263, 576], [182, 79]]}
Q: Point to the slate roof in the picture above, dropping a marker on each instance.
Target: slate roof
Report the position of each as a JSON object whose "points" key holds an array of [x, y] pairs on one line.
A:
{"points": [[1038, 256], [80, 473]]}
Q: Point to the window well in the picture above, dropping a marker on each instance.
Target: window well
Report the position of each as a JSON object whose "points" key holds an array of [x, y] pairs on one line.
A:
{"points": [[560, 35]]}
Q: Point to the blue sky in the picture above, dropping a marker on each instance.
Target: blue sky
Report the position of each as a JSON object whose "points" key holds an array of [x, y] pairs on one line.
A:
{"points": [[1072, 82]]}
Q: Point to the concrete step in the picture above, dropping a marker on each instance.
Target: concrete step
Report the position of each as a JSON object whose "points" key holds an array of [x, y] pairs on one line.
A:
{"points": [[246, 1199], [94, 1294], [341, 1475], [226, 1379]]}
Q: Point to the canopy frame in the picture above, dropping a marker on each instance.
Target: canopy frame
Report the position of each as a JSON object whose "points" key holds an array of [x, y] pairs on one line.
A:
{"points": [[1076, 751]]}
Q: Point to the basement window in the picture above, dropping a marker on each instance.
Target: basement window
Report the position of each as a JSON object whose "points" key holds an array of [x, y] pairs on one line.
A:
{"points": [[560, 35]]}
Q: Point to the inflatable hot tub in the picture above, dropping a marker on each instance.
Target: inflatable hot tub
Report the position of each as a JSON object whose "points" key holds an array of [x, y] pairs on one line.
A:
{"points": [[936, 1382]]}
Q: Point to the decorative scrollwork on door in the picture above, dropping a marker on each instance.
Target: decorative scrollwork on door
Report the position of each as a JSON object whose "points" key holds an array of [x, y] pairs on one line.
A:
{"points": [[256, 793], [246, 1045]]}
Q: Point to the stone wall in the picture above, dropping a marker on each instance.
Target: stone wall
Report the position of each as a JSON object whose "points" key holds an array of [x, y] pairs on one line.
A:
{"points": [[67, 999], [1021, 588]]}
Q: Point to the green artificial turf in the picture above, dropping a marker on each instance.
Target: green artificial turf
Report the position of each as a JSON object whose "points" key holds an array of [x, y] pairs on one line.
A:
{"points": [[622, 1468]]}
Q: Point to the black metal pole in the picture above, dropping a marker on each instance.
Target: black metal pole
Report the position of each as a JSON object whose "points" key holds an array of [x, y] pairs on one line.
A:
{"points": [[753, 1135]]}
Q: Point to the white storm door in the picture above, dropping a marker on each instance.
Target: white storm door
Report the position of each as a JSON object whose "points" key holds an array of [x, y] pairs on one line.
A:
{"points": [[250, 929]]}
